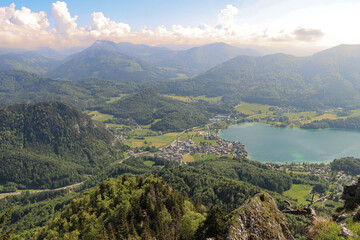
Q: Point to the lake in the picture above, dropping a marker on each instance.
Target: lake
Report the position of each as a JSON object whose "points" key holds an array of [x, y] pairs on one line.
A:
{"points": [[268, 144]]}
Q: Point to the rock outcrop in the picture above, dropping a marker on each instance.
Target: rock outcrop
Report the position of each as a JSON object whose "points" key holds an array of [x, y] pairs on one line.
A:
{"points": [[258, 218], [351, 195]]}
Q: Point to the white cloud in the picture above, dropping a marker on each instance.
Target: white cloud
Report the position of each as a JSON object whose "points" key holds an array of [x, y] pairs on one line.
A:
{"points": [[64, 23], [23, 26], [19, 28], [102, 26], [226, 18]]}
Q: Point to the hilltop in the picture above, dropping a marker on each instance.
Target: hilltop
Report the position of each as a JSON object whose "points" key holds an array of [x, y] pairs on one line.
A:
{"points": [[146, 208], [163, 113], [50, 144], [104, 60]]}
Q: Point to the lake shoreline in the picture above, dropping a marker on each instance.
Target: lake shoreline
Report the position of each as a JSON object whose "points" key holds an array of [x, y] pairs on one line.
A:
{"points": [[269, 144]]}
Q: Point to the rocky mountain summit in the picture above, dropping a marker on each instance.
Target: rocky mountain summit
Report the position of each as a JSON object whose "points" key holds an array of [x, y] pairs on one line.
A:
{"points": [[258, 218]]}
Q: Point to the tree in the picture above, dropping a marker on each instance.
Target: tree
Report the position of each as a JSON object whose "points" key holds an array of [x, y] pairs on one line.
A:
{"points": [[3, 218]]}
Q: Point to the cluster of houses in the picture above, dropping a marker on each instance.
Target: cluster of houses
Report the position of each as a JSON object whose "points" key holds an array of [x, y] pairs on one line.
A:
{"points": [[343, 180], [176, 151]]}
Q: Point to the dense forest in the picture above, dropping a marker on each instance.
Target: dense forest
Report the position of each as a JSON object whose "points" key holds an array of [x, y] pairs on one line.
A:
{"points": [[204, 185], [127, 208], [348, 123], [349, 165], [24, 87], [147, 105], [147, 208], [51, 144]]}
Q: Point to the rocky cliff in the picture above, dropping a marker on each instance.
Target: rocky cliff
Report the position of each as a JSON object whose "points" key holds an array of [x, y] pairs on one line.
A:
{"points": [[258, 218]]}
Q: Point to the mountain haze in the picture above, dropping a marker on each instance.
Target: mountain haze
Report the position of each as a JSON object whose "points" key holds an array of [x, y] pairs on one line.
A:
{"points": [[104, 60], [29, 61], [328, 79], [192, 61]]}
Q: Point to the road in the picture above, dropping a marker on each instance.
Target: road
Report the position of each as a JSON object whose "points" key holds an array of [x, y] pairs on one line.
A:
{"points": [[39, 191]]}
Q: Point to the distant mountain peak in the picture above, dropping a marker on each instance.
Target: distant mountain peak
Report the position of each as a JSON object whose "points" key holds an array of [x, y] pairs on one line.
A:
{"points": [[103, 45]]}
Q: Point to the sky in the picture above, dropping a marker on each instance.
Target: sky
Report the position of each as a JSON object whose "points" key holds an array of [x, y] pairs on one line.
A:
{"points": [[298, 27]]}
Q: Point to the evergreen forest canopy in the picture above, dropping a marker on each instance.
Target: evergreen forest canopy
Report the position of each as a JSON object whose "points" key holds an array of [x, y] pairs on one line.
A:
{"points": [[50, 145], [147, 106], [138, 208]]}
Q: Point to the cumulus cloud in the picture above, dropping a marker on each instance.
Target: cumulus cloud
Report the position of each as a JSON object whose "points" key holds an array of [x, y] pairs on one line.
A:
{"points": [[20, 26], [64, 23], [24, 27], [308, 35], [103, 26], [226, 18]]}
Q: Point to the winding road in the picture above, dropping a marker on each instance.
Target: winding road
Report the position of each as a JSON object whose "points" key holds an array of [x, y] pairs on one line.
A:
{"points": [[39, 191]]}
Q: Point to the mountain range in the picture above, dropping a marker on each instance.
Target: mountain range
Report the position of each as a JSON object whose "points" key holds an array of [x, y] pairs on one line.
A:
{"points": [[330, 78], [123, 61]]}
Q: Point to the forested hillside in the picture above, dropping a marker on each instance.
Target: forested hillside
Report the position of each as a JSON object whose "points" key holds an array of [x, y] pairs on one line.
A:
{"points": [[50, 144], [327, 79], [29, 61], [127, 208], [147, 208], [104, 60], [24, 87], [148, 105], [349, 165]]}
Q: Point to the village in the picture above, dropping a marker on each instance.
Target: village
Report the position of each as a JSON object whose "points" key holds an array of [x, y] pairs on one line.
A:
{"points": [[206, 143], [337, 180]]}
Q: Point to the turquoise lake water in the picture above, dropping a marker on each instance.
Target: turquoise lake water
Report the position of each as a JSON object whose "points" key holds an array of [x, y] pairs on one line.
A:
{"points": [[269, 144]]}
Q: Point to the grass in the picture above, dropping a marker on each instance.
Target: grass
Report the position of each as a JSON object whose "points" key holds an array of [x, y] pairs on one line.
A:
{"points": [[115, 125], [296, 172], [194, 99], [355, 113], [253, 108], [188, 158], [296, 116], [197, 140], [149, 163], [143, 132], [114, 99], [208, 99], [331, 116], [149, 125], [180, 98], [156, 141], [98, 116], [197, 157], [300, 192]]}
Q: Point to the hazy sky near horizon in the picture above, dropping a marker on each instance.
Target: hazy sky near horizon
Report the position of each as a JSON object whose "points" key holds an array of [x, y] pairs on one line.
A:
{"points": [[293, 26]]}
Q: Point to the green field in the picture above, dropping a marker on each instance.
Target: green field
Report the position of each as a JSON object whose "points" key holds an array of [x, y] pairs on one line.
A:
{"points": [[209, 99], [98, 116], [149, 163], [114, 99], [300, 115], [188, 158], [194, 99], [355, 113], [197, 140], [253, 108], [156, 141], [144, 132], [300, 192], [149, 125]]}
